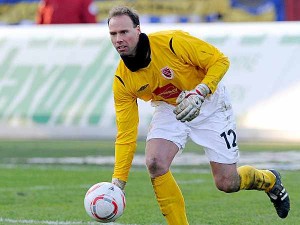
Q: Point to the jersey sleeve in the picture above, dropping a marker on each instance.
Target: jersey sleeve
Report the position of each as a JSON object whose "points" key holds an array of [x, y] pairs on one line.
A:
{"points": [[199, 53], [127, 128]]}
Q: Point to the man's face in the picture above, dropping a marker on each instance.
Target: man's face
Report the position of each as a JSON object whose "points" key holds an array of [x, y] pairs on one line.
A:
{"points": [[123, 35]]}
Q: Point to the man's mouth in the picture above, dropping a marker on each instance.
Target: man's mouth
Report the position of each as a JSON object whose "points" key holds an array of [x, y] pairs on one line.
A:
{"points": [[121, 48]]}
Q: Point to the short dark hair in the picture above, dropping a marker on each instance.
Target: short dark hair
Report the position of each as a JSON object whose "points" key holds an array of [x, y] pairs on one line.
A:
{"points": [[124, 10]]}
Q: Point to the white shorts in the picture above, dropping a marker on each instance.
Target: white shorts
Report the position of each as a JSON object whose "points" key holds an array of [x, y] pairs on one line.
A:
{"points": [[214, 129]]}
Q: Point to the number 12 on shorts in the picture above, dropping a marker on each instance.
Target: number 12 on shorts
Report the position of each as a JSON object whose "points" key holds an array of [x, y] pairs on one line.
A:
{"points": [[226, 137]]}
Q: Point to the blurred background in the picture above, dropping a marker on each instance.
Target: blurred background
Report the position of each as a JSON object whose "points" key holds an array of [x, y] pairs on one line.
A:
{"points": [[55, 81], [172, 11]]}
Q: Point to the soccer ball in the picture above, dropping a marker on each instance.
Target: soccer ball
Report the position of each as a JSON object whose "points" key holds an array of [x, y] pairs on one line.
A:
{"points": [[104, 202]]}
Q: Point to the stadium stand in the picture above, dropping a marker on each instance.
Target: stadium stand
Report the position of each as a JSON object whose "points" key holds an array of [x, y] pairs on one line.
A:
{"points": [[172, 11]]}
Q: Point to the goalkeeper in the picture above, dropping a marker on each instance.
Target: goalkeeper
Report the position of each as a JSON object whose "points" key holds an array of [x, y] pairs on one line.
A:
{"points": [[181, 76]]}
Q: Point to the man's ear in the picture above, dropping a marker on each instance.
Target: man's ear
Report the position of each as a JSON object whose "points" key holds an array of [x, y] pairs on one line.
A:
{"points": [[139, 29]]}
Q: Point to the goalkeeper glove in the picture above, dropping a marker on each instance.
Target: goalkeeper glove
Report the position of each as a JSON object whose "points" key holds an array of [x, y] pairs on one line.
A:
{"points": [[189, 103]]}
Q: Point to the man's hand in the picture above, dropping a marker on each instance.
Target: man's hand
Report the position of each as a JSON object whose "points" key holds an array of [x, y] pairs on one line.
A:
{"points": [[189, 103], [120, 183]]}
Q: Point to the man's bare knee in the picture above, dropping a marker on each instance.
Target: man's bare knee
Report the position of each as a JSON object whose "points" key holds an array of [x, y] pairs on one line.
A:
{"points": [[227, 185], [159, 156], [155, 167]]}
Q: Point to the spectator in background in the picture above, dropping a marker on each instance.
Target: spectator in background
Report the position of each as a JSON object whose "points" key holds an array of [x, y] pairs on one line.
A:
{"points": [[66, 12]]}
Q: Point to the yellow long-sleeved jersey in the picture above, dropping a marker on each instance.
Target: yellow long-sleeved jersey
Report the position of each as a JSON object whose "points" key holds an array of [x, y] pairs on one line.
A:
{"points": [[179, 62]]}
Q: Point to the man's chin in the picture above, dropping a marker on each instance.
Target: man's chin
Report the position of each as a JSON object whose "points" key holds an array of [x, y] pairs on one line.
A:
{"points": [[124, 54]]}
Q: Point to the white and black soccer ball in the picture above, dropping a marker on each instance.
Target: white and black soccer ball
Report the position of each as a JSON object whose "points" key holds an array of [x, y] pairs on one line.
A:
{"points": [[104, 202]]}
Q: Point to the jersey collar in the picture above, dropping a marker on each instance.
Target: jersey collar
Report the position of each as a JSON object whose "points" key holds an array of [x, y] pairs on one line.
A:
{"points": [[142, 57]]}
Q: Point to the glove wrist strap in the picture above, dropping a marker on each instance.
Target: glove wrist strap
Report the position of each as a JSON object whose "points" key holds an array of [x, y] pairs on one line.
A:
{"points": [[202, 90]]}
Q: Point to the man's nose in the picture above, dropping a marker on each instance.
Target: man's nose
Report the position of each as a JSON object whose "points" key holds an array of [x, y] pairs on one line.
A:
{"points": [[119, 38]]}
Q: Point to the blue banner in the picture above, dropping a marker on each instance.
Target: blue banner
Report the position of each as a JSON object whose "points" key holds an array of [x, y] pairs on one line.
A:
{"points": [[16, 1]]}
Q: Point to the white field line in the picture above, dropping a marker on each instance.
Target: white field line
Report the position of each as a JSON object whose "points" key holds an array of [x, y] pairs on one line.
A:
{"points": [[289, 160], [47, 222], [195, 181]]}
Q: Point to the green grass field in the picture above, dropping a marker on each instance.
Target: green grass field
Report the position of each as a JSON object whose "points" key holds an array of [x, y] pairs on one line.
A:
{"points": [[52, 193]]}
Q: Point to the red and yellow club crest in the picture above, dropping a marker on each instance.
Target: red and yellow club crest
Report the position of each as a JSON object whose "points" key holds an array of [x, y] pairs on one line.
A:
{"points": [[167, 73]]}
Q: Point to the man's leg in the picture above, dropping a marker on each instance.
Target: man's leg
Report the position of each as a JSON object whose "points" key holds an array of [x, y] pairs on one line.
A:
{"points": [[270, 182], [159, 156], [228, 178], [254, 179]]}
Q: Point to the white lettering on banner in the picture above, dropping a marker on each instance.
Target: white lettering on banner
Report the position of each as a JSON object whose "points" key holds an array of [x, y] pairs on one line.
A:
{"points": [[54, 81]]}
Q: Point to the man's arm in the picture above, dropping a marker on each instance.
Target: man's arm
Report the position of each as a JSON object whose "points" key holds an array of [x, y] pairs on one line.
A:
{"points": [[123, 160], [127, 127], [199, 53], [207, 57]]}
